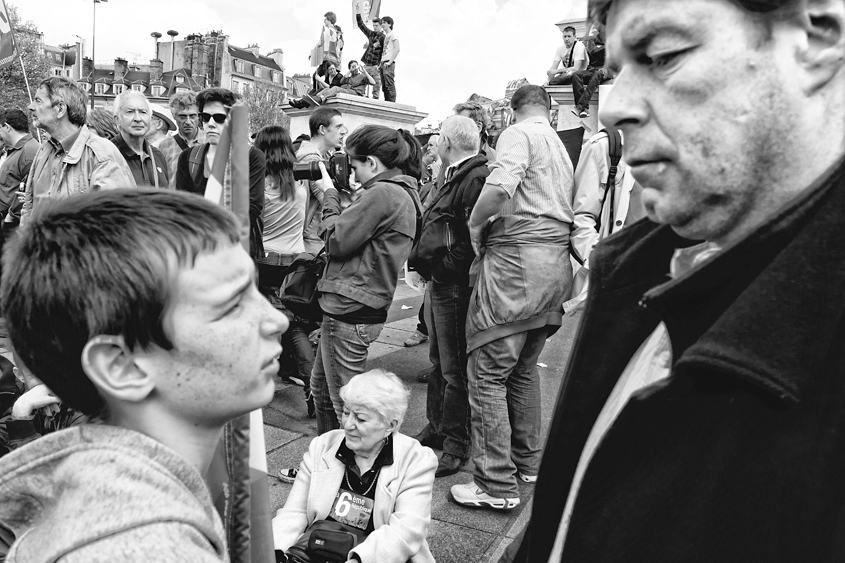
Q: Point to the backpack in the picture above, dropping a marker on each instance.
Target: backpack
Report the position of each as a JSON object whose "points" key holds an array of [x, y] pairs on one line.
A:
{"points": [[299, 292]]}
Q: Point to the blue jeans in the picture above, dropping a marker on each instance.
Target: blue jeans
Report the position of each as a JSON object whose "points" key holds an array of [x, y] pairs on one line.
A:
{"points": [[504, 395], [296, 339], [447, 403], [341, 355]]}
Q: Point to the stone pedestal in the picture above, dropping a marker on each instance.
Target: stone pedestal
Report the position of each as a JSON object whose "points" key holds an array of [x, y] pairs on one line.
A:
{"points": [[566, 120], [358, 111]]}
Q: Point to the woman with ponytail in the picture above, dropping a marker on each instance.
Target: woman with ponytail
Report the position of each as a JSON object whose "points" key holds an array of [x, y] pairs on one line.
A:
{"points": [[366, 245]]}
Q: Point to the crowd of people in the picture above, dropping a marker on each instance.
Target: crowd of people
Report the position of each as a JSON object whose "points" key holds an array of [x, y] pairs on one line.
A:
{"points": [[703, 396]]}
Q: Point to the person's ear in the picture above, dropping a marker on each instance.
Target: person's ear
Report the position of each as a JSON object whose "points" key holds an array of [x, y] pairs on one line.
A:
{"points": [[391, 426], [823, 55], [110, 365]]}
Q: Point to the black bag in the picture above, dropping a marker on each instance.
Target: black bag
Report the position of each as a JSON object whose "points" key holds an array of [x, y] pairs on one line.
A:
{"points": [[299, 294], [325, 540]]}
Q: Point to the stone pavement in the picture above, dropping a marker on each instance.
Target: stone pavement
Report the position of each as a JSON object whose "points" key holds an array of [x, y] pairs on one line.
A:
{"points": [[457, 534]]}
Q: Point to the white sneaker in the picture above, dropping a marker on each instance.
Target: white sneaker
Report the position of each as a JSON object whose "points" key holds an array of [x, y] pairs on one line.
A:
{"points": [[469, 494], [526, 478], [416, 339], [288, 474]]}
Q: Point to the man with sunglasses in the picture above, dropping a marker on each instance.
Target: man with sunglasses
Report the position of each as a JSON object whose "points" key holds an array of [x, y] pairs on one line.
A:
{"points": [[194, 165], [73, 160]]}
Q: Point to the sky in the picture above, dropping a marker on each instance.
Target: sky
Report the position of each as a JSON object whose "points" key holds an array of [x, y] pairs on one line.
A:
{"points": [[450, 49]]}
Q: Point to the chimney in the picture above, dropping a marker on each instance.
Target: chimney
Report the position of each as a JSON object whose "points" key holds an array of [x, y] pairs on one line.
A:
{"points": [[278, 55], [253, 49], [156, 69], [121, 67], [87, 67]]}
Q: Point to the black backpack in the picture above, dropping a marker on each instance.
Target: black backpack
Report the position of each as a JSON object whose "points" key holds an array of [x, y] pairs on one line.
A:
{"points": [[299, 293]]}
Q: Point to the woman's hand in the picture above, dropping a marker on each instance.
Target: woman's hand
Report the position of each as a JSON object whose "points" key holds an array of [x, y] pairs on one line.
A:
{"points": [[325, 182], [37, 397]]}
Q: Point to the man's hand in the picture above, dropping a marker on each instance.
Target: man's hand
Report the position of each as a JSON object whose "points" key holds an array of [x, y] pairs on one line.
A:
{"points": [[476, 238], [37, 397], [325, 182]]}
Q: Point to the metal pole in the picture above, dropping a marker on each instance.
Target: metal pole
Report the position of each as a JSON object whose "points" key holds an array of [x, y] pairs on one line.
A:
{"points": [[93, 57]]}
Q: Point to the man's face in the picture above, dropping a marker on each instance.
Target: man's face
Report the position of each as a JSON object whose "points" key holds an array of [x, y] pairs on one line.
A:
{"points": [[354, 68], [212, 111], [568, 38], [5, 135], [133, 118], [441, 150], [705, 111], [377, 27], [188, 122], [226, 340], [43, 111], [331, 70], [335, 132]]}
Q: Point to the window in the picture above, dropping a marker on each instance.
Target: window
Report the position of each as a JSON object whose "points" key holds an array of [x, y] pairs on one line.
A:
{"points": [[239, 66], [100, 88], [180, 79], [256, 71], [181, 89], [86, 86], [57, 71], [158, 91], [118, 89], [138, 87], [277, 77]]}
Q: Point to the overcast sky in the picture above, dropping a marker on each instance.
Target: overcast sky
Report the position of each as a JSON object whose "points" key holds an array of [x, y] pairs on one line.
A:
{"points": [[450, 48]]}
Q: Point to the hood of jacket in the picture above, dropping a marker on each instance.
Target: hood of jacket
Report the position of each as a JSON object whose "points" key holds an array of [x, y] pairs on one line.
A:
{"points": [[76, 486]]}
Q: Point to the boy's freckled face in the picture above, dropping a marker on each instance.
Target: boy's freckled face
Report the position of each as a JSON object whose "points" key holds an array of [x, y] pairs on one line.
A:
{"points": [[226, 340]]}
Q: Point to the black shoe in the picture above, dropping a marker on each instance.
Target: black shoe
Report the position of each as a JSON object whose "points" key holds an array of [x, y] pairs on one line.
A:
{"points": [[428, 438], [449, 465], [298, 104], [423, 376]]}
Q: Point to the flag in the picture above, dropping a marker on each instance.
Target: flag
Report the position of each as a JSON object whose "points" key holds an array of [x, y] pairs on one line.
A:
{"points": [[373, 9], [368, 9], [8, 49], [237, 477]]}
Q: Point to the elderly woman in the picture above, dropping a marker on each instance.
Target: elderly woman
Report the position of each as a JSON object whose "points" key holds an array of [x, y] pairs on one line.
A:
{"points": [[366, 479]]}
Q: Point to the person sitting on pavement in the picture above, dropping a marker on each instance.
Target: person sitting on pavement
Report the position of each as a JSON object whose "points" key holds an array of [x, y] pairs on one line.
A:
{"points": [[570, 57], [73, 160], [385, 477], [445, 262], [138, 306], [159, 136], [132, 114]]}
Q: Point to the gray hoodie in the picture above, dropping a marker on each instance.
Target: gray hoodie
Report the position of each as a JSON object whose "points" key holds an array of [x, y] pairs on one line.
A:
{"points": [[98, 493]]}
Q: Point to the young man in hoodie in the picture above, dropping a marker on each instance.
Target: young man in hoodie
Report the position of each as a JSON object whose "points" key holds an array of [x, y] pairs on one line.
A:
{"points": [[138, 307]]}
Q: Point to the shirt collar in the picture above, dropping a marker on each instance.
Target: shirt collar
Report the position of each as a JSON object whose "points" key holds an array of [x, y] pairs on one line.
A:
{"points": [[385, 456], [65, 144], [127, 151], [21, 142], [452, 168]]}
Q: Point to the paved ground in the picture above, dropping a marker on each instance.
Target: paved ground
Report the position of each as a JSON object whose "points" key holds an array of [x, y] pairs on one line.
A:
{"points": [[457, 534]]}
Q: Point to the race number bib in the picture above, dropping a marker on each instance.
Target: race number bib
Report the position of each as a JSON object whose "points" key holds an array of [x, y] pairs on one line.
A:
{"points": [[352, 509]]}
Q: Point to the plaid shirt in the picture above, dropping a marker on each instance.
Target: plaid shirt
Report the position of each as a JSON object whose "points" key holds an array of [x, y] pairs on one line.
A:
{"points": [[372, 56]]}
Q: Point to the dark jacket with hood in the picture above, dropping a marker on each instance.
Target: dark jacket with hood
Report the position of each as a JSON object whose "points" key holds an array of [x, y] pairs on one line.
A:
{"points": [[444, 252], [368, 242], [738, 455]]}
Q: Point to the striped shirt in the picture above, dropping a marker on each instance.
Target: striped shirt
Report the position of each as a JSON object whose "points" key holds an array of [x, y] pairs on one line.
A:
{"points": [[532, 166]]}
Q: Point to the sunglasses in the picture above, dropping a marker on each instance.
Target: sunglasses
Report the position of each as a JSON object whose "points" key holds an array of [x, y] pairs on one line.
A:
{"points": [[217, 117]]}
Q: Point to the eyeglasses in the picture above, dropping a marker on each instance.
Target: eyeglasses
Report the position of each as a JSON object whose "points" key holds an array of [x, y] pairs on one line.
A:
{"points": [[218, 118]]}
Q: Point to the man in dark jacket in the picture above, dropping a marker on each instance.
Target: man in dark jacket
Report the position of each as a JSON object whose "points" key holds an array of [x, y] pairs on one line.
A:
{"points": [[372, 55], [443, 256], [713, 431], [194, 166], [133, 117]]}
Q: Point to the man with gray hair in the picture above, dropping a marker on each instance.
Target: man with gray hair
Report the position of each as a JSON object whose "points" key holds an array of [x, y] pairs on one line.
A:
{"points": [[132, 115], [183, 106], [73, 160], [519, 229], [702, 413], [445, 262]]}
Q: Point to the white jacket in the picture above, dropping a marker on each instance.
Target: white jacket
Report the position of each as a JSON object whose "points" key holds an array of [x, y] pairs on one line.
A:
{"points": [[402, 510]]}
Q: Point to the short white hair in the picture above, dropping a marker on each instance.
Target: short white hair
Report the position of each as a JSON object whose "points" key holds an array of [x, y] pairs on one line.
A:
{"points": [[127, 95], [462, 132], [381, 391]]}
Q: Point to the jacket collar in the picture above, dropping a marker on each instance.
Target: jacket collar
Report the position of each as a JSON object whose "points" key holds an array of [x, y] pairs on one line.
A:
{"points": [[74, 153], [766, 309], [464, 167], [20, 144], [127, 151], [386, 175]]}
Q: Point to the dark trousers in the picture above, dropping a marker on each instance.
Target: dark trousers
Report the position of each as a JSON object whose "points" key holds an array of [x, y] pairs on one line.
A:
{"points": [[422, 328], [561, 80], [582, 94], [447, 401], [388, 82]]}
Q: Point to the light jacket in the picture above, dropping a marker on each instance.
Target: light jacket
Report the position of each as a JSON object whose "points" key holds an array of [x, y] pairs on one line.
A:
{"points": [[91, 164], [402, 506], [308, 152], [738, 455], [368, 242], [504, 300], [98, 494]]}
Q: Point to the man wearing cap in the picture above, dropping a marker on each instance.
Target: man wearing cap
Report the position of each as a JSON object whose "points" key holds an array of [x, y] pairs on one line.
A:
{"points": [[160, 125], [712, 431]]}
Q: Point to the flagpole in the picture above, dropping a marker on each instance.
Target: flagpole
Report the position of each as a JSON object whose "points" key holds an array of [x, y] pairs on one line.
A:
{"points": [[23, 68]]}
